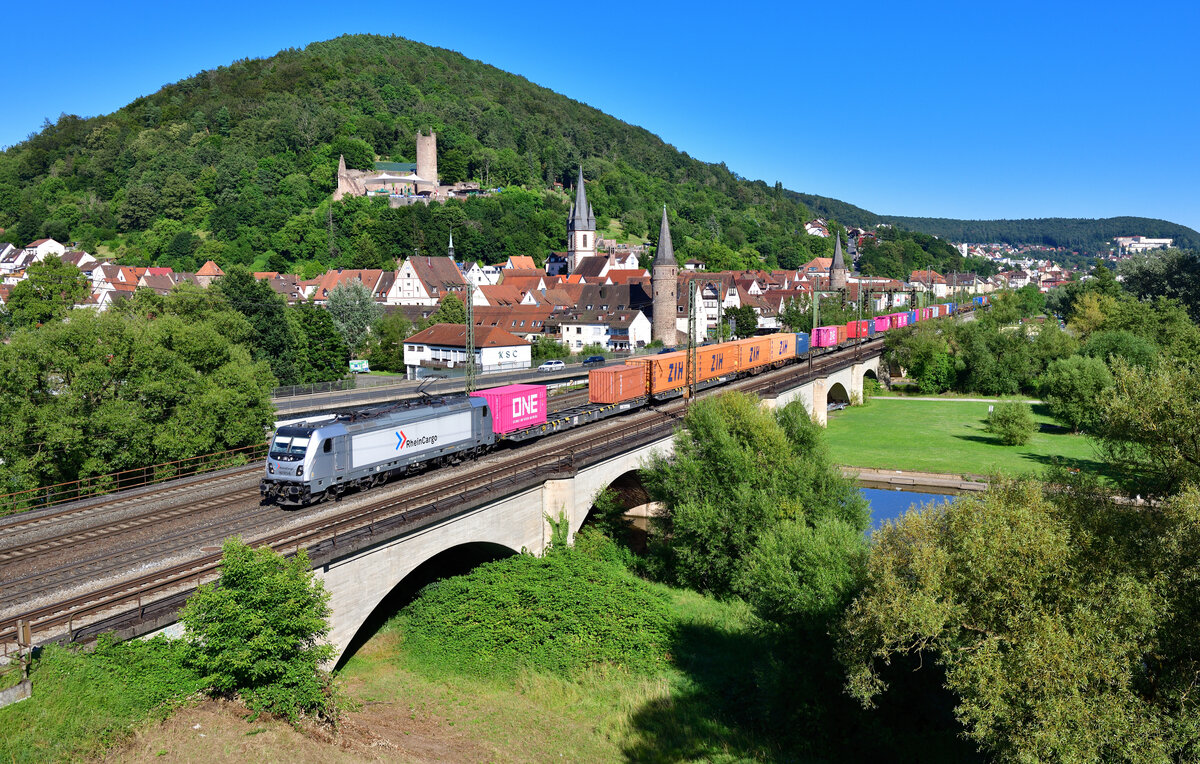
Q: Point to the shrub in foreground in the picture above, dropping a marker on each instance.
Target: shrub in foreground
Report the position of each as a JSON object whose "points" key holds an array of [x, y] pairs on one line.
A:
{"points": [[258, 632]]}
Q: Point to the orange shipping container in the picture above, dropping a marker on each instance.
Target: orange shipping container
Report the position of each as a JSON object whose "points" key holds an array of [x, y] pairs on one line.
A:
{"points": [[753, 352], [616, 384], [717, 360], [782, 347], [668, 372], [841, 333]]}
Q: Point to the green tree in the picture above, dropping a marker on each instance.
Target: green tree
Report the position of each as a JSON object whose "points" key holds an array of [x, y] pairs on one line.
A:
{"points": [[737, 472], [450, 310], [47, 292], [326, 356], [275, 339], [1012, 422], [745, 320], [803, 576], [386, 349], [1133, 349], [1056, 618], [1073, 388], [1148, 426], [354, 311], [259, 632], [924, 354], [155, 380], [794, 316], [546, 348]]}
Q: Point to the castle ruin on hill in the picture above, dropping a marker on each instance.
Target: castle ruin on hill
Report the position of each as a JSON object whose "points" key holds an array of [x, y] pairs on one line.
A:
{"points": [[402, 182]]}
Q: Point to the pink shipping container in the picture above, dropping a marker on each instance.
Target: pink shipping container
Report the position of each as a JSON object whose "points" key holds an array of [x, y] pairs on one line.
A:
{"points": [[825, 336], [882, 324], [898, 320], [515, 407]]}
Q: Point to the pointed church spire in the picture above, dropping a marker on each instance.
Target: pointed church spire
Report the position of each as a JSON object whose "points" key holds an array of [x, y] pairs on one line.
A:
{"points": [[450, 249], [582, 218], [666, 252], [837, 269]]}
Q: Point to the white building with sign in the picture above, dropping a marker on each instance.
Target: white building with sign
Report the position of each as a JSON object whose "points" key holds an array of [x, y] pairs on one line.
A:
{"points": [[444, 346]]}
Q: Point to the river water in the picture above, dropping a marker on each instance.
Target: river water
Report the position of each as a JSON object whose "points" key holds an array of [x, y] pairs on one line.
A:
{"points": [[890, 504]]}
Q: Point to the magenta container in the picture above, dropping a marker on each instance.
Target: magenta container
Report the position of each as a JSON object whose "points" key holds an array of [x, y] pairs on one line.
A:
{"points": [[515, 407], [882, 324], [899, 320], [825, 337]]}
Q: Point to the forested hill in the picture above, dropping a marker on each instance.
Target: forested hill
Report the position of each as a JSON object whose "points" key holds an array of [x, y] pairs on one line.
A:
{"points": [[237, 165], [1072, 233], [1084, 234]]}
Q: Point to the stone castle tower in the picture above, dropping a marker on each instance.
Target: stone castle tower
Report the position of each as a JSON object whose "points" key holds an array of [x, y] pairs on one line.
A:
{"points": [[837, 269], [581, 227], [427, 162], [664, 282]]}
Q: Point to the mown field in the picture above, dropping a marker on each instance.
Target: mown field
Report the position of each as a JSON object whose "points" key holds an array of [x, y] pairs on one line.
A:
{"points": [[947, 436]]}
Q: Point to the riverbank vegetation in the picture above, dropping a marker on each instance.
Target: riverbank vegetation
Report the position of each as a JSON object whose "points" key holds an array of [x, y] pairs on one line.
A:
{"points": [[257, 636]]}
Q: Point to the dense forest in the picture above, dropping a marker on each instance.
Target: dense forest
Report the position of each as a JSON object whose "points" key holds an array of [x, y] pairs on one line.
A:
{"points": [[1089, 236], [237, 165]]}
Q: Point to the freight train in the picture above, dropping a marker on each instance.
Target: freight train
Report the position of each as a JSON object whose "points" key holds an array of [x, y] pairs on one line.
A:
{"points": [[324, 457]]}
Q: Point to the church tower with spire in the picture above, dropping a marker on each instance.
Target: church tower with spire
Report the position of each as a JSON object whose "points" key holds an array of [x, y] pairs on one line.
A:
{"points": [[837, 269], [581, 227], [664, 283]]}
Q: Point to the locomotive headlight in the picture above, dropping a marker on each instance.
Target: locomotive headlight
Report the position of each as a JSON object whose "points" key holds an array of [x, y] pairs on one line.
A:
{"points": [[270, 468], [300, 470]]}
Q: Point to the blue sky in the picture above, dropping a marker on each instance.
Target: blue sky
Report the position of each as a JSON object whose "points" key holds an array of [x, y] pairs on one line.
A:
{"points": [[973, 110]]}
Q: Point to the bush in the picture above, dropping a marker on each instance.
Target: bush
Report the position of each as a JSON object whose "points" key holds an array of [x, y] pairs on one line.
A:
{"points": [[1013, 422], [258, 632], [564, 612], [1073, 387], [87, 702]]}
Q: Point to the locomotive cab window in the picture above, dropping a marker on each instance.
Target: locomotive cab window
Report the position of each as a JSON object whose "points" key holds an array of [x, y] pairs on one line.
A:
{"points": [[327, 446]]}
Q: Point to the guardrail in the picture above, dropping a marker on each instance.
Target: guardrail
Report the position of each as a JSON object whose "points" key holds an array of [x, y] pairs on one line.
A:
{"points": [[98, 485]]}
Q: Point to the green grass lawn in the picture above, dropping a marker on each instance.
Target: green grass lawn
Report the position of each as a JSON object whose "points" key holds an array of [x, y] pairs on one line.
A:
{"points": [[947, 436]]}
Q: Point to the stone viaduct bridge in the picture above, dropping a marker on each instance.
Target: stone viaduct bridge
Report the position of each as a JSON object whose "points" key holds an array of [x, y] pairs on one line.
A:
{"points": [[366, 580]]}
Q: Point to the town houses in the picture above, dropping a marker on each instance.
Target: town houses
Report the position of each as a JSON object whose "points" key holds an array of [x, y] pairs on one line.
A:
{"points": [[598, 294]]}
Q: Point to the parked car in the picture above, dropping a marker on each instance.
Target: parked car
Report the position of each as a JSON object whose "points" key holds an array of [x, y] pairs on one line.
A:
{"points": [[594, 360], [551, 366]]}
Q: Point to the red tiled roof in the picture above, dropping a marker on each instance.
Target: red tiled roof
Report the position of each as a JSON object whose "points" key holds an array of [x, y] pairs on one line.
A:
{"points": [[522, 262], [210, 269], [455, 336]]}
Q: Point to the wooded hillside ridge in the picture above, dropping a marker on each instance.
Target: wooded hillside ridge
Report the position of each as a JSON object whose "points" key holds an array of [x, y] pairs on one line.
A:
{"points": [[237, 165]]}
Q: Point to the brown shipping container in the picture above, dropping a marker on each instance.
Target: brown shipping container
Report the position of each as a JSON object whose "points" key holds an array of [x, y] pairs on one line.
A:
{"points": [[616, 384], [782, 347], [716, 360], [753, 352], [841, 333]]}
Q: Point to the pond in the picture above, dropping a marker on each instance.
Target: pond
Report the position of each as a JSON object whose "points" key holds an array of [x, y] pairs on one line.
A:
{"points": [[888, 504]]}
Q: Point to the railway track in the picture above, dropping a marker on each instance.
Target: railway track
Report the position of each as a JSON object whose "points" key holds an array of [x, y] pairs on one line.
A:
{"points": [[365, 514]]}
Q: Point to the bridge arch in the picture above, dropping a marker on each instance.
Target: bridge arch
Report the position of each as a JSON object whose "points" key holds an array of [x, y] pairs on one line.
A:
{"points": [[635, 501], [447, 563], [837, 393]]}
